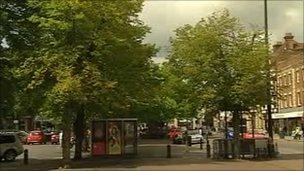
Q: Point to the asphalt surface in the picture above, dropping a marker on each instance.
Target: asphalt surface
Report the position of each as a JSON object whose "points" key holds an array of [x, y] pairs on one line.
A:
{"points": [[292, 155], [290, 147], [155, 148]]}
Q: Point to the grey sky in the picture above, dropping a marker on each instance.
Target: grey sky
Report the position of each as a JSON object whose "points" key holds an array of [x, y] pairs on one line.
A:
{"points": [[165, 16]]}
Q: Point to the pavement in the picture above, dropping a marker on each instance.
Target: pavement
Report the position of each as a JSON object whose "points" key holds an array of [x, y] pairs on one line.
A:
{"points": [[152, 156], [288, 138]]}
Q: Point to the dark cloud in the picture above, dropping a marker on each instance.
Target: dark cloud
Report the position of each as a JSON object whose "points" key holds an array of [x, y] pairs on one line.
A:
{"points": [[165, 16]]}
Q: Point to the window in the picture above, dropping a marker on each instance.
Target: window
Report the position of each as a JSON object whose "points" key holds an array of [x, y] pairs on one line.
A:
{"points": [[7, 139], [285, 101], [290, 102], [298, 76], [299, 100], [284, 80], [289, 79], [282, 103], [303, 74]]}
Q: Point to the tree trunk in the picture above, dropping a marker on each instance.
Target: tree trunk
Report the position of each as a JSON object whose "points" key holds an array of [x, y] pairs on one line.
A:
{"points": [[66, 128], [79, 125], [226, 136], [236, 128]]}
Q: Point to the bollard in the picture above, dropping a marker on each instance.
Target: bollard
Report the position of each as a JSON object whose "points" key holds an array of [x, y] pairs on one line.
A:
{"points": [[201, 144], [208, 149], [25, 157], [276, 149], [189, 141], [168, 151]]}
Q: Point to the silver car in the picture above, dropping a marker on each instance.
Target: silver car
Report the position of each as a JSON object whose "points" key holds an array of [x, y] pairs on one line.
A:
{"points": [[10, 146], [194, 137]]}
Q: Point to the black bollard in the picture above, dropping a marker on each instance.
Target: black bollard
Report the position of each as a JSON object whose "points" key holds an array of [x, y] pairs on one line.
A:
{"points": [[168, 151], [189, 141], [208, 149], [25, 157], [201, 144]]}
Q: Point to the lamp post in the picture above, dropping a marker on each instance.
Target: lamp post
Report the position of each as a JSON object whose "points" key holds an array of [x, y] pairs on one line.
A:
{"points": [[269, 117], [269, 89]]}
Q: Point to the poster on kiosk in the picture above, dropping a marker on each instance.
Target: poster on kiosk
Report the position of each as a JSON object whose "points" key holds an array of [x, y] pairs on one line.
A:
{"points": [[114, 138], [99, 138], [129, 137]]}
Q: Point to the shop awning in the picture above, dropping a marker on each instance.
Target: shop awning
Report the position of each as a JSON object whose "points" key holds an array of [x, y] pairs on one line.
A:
{"points": [[295, 114]]}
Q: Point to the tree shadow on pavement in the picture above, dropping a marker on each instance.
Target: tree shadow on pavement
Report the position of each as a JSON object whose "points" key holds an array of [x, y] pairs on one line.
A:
{"points": [[34, 165], [119, 162], [91, 163]]}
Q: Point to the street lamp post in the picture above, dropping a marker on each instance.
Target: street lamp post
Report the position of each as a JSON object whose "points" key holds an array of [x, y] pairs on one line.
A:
{"points": [[269, 84]]}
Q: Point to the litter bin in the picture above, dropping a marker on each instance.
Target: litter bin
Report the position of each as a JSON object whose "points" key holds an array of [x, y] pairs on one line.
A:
{"points": [[219, 150], [281, 134]]}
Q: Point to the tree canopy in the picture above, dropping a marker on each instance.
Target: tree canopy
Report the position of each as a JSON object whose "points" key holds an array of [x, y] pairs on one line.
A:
{"points": [[221, 62]]}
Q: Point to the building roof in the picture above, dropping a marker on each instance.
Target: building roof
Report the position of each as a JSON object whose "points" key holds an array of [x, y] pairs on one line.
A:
{"points": [[287, 54]]}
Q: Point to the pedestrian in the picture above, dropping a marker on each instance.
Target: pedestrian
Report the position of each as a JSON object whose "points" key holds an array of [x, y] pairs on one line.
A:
{"points": [[303, 131], [200, 131], [86, 141], [60, 138], [285, 130]]}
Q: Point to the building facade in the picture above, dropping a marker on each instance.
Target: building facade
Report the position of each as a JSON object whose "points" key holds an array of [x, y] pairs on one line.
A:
{"points": [[288, 61]]}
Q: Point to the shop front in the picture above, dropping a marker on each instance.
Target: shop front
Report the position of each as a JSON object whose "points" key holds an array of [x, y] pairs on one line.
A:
{"points": [[287, 122]]}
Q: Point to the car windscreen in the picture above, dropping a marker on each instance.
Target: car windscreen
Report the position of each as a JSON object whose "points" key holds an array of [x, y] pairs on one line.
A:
{"points": [[36, 133], [7, 139], [192, 132]]}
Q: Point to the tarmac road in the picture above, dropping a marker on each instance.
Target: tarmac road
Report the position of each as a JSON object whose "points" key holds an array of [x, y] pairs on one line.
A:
{"points": [[152, 156]]}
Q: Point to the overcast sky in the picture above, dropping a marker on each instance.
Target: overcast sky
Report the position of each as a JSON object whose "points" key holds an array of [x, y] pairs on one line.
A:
{"points": [[165, 16]]}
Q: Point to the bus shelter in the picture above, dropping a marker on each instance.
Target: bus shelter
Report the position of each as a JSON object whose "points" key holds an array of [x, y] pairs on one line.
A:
{"points": [[117, 137]]}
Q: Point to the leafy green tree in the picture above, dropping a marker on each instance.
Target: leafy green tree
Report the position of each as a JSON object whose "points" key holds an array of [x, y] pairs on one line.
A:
{"points": [[223, 64], [18, 36], [90, 60]]}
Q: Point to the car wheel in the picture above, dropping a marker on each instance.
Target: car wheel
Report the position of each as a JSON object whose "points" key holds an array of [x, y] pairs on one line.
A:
{"points": [[10, 155]]}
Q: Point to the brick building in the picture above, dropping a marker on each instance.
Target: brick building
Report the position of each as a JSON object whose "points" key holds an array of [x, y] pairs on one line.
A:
{"points": [[288, 61]]}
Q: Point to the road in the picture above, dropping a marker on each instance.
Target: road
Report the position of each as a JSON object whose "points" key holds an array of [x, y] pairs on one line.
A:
{"points": [[157, 150], [49, 156], [290, 147]]}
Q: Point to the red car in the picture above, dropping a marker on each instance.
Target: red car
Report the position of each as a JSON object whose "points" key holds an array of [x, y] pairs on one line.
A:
{"points": [[173, 133], [55, 138], [36, 137]]}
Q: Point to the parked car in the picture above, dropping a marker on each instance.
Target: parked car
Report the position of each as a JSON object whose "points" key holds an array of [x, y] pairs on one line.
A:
{"points": [[22, 136], [55, 138], [176, 136], [174, 132], [36, 137], [194, 137], [10, 146]]}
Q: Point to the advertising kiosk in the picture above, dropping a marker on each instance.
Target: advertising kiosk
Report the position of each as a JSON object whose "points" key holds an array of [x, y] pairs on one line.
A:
{"points": [[114, 137]]}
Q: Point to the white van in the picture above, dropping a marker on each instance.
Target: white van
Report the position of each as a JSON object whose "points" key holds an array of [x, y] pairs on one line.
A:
{"points": [[10, 146]]}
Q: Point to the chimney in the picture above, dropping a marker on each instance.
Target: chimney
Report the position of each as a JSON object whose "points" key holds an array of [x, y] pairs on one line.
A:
{"points": [[289, 42], [288, 36], [276, 46]]}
